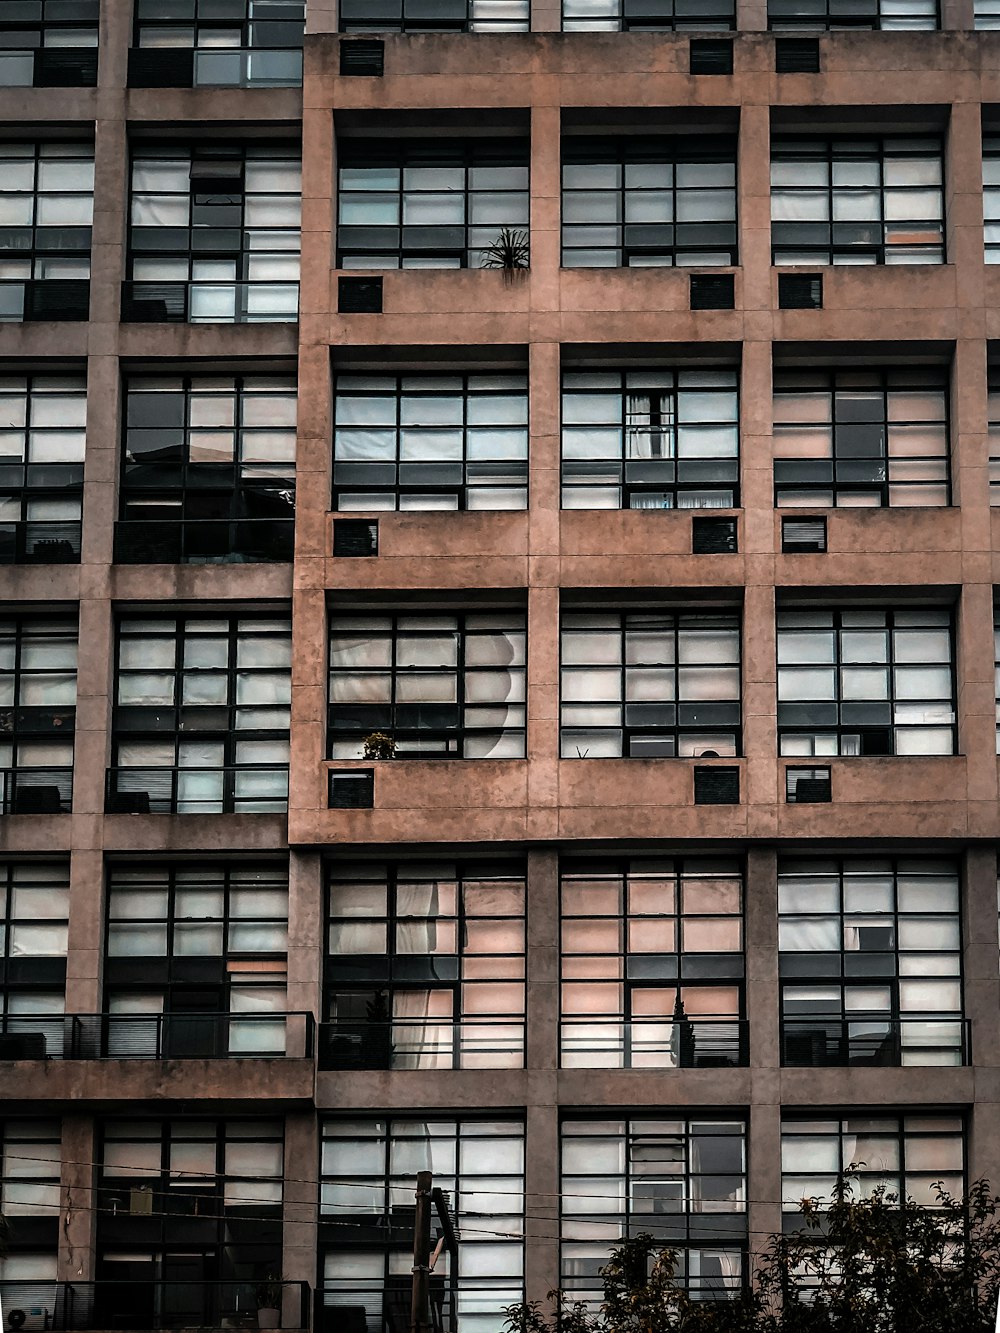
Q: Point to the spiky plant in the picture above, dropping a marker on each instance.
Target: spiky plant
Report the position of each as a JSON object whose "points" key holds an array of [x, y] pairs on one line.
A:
{"points": [[509, 253]]}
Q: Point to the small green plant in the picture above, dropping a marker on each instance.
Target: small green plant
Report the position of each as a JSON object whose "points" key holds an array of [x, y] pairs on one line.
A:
{"points": [[378, 745], [509, 253]]}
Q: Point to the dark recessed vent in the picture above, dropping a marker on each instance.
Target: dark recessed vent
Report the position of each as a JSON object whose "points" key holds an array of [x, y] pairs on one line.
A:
{"points": [[128, 803], [713, 291], [716, 786], [352, 789], [807, 786], [355, 536], [365, 59], [803, 535], [155, 67], [711, 56], [66, 68], [359, 296], [796, 55], [800, 291], [713, 536]]}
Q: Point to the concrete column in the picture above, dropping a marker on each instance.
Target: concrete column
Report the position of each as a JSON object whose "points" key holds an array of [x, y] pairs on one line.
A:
{"points": [[543, 960], [541, 1202], [78, 1219], [751, 15], [546, 185], [86, 932], [300, 1209], [761, 941], [764, 1172], [306, 933], [760, 742], [754, 205], [957, 14], [546, 15]]}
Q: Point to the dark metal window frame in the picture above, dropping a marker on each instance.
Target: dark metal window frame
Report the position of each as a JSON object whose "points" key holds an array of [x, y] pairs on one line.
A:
{"points": [[22, 975], [675, 476], [681, 1228], [675, 969], [811, 967], [993, 428], [839, 483], [28, 481], [201, 24], [434, 243], [833, 16], [672, 243], [46, 24], [395, 971], [657, 16], [454, 736], [249, 483], [39, 242], [22, 723], [402, 487], [841, 729], [385, 21], [845, 249], [48, 1131], [662, 620], [238, 624]]}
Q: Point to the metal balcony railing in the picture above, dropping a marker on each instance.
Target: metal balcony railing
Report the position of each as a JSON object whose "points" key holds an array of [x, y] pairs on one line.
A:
{"points": [[39, 543], [203, 541], [177, 1036], [215, 67], [36, 791], [416, 1043], [150, 1305], [351, 1307], [242, 789], [50, 67], [210, 302], [818, 1042], [654, 1043], [44, 298]]}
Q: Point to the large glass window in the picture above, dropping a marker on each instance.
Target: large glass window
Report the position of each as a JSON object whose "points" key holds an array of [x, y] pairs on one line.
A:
{"points": [[41, 42], [425, 966], [434, 15], [43, 422], [647, 15], [861, 438], [428, 203], [652, 963], [682, 1181], [430, 442], [857, 201], [37, 713], [993, 413], [248, 43], [907, 1154], [208, 469], [201, 714], [987, 15], [856, 15], [46, 211], [367, 1183], [30, 1156], [871, 961], [866, 681], [650, 684], [214, 233], [188, 942], [650, 439], [991, 184], [34, 923], [648, 201], [449, 686]]}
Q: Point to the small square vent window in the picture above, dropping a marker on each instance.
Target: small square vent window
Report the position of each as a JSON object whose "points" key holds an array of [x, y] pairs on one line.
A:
{"points": [[807, 786], [800, 291], [716, 786], [352, 789], [713, 536], [796, 55], [359, 296], [711, 56], [365, 59], [355, 536], [803, 535], [713, 291]]}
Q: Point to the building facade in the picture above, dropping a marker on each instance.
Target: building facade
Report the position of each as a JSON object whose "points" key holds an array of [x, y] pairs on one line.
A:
{"points": [[496, 638]]}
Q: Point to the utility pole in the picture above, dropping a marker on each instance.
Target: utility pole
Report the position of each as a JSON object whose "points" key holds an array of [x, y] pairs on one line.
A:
{"points": [[420, 1311]]}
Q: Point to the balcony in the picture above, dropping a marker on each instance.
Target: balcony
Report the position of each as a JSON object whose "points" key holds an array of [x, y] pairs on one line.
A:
{"points": [[209, 302], [813, 1043], [50, 67], [654, 1043], [422, 1044], [204, 541], [149, 1305], [244, 789], [231, 67], [44, 298], [39, 543], [36, 791], [178, 1036]]}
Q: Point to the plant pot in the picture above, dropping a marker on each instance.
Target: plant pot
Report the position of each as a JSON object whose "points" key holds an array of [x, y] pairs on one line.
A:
{"points": [[268, 1316]]}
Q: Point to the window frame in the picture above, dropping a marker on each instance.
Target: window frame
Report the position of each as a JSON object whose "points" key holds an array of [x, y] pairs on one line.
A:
{"points": [[31, 1133], [384, 21], [802, 16], [29, 246], [657, 16]]}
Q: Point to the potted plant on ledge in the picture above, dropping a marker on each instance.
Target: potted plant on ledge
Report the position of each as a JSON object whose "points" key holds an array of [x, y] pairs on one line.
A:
{"points": [[268, 1295]]}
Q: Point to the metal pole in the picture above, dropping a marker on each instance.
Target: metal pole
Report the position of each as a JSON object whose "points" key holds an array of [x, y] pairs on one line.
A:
{"points": [[420, 1315]]}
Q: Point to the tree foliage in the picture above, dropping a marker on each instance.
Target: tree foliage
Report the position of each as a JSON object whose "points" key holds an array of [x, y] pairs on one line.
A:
{"points": [[875, 1264]]}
